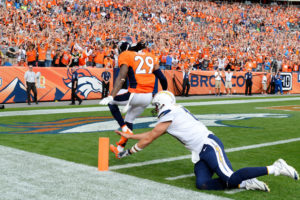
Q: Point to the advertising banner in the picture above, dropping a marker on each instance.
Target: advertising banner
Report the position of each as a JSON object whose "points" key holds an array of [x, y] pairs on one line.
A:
{"points": [[203, 82], [52, 83]]}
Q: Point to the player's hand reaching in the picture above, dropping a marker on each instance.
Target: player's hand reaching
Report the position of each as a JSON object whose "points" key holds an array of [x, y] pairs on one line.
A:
{"points": [[126, 135], [124, 153], [106, 100]]}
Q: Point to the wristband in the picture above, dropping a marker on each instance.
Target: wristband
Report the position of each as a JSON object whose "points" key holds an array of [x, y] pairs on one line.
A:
{"points": [[135, 148]]}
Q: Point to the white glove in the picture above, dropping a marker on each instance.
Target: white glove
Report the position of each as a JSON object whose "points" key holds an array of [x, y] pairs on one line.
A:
{"points": [[106, 100]]}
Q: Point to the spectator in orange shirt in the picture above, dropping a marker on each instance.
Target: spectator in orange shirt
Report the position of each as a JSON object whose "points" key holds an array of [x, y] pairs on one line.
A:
{"points": [[22, 63], [42, 50], [31, 55], [99, 58], [65, 60]]}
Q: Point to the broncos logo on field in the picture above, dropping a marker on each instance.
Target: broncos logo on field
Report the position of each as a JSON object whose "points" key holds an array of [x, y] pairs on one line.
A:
{"points": [[102, 124], [86, 82], [52, 127]]}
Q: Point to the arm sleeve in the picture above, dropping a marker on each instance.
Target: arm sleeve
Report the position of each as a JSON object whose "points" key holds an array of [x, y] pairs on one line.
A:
{"points": [[162, 79]]}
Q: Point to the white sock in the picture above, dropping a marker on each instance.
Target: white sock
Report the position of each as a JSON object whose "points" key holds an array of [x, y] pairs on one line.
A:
{"points": [[124, 128], [242, 184], [271, 169], [120, 148]]}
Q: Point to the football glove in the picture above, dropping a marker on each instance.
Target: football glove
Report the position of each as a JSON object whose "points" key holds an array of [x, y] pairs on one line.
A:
{"points": [[106, 100], [124, 154]]}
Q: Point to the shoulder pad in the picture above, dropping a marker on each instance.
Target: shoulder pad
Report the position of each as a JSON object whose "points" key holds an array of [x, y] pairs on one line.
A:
{"points": [[164, 113]]}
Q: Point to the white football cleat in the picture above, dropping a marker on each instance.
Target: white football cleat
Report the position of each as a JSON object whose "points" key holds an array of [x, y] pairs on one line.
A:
{"points": [[254, 184], [282, 168]]}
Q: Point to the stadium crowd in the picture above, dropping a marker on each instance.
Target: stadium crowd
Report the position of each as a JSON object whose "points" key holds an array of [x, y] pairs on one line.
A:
{"points": [[203, 35]]}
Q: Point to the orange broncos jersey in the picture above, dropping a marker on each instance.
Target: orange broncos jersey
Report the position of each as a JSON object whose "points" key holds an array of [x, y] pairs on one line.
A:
{"points": [[140, 70]]}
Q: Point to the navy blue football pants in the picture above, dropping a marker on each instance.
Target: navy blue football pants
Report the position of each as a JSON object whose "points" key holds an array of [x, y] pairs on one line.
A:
{"points": [[213, 159]]}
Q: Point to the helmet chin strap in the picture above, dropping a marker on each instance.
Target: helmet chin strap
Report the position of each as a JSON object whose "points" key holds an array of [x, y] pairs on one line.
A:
{"points": [[156, 109]]}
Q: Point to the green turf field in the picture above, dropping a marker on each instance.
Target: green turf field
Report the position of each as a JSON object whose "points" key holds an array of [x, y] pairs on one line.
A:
{"points": [[83, 147]]}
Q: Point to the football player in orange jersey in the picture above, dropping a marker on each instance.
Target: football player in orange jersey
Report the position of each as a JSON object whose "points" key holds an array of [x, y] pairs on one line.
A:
{"points": [[141, 69]]}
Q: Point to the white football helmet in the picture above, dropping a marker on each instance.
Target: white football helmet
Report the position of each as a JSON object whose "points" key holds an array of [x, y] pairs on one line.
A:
{"points": [[162, 101]]}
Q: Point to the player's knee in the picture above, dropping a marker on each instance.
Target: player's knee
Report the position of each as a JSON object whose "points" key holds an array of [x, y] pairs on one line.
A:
{"points": [[201, 184], [234, 180]]}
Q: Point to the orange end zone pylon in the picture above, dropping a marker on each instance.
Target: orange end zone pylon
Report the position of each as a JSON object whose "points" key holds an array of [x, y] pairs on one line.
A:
{"points": [[103, 154]]}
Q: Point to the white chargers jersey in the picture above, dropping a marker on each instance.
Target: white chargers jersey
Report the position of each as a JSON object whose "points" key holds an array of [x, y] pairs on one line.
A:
{"points": [[186, 128]]}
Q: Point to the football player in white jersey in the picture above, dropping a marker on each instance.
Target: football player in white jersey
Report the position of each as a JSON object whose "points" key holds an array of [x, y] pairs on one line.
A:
{"points": [[208, 153]]}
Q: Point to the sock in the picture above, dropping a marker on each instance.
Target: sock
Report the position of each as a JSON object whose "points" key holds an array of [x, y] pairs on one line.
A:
{"points": [[123, 141], [129, 125], [271, 169], [120, 148], [125, 128], [115, 111]]}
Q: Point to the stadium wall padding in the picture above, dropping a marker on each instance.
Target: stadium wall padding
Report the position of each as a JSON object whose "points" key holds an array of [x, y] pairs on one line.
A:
{"points": [[54, 83]]}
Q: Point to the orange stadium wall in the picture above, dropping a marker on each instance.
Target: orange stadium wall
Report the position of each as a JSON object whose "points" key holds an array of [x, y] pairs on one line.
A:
{"points": [[54, 84]]}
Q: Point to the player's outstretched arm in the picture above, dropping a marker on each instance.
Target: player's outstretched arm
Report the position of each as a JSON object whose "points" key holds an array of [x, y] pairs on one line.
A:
{"points": [[144, 138], [162, 79], [158, 130], [120, 80]]}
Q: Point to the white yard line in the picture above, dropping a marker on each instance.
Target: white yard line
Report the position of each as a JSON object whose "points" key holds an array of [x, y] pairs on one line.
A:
{"points": [[158, 161], [255, 146], [29, 176], [234, 191], [101, 109], [180, 177]]}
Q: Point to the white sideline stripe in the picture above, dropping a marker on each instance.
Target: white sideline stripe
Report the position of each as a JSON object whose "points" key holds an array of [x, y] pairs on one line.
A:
{"points": [[239, 101], [180, 177], [30, 176], [100, 109], [151, 162], [234, 191]]}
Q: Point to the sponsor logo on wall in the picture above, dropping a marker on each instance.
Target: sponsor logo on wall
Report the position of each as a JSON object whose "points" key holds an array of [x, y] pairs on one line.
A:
{"points": [[287, 80]]}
